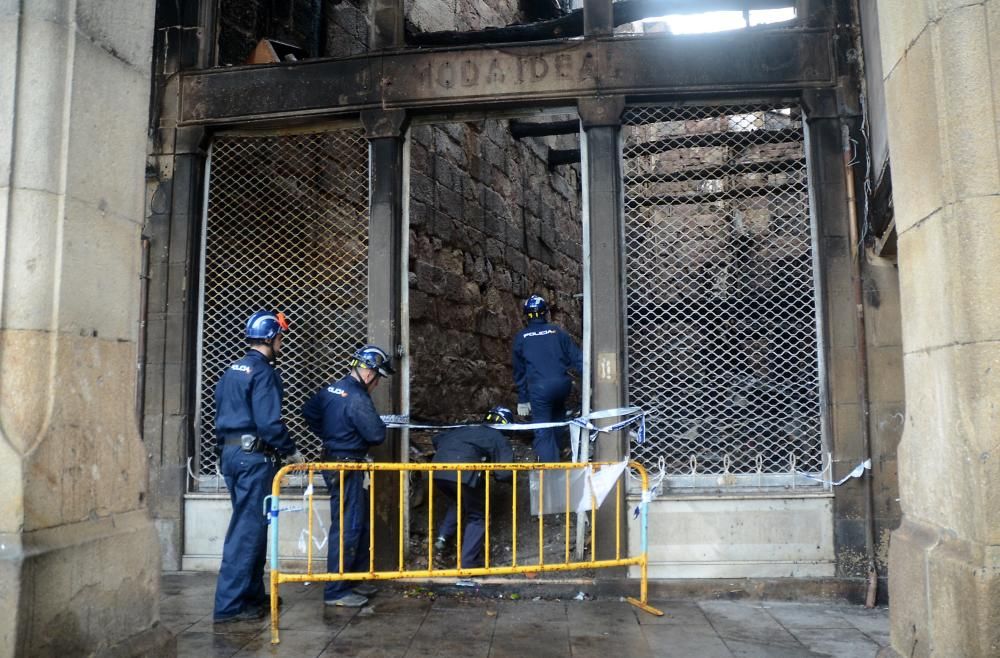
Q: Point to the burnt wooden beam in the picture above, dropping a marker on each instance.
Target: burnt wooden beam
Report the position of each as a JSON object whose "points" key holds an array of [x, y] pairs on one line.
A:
{"points": [[710, 197], [704, 140], [639, 117], [886, 243], [550, 74], [560, 157], [522, 129], [712, 173], [572, 24]]}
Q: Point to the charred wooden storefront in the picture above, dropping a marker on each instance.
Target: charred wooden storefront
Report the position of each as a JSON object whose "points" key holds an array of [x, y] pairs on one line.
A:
{"points": [[684, 200]]}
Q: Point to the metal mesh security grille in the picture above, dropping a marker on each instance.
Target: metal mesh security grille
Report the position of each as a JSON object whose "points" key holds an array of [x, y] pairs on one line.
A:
{"points": [[721, 302], [286, 229]]}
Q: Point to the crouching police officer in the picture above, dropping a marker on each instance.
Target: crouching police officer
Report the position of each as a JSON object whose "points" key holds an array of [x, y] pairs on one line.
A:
{"points": [[250, 438], [344, 417], [471, 444], [543, 355]]}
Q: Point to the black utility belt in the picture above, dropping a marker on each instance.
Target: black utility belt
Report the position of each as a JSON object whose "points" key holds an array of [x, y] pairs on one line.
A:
{"points": [[248, 442], [348, 460]]}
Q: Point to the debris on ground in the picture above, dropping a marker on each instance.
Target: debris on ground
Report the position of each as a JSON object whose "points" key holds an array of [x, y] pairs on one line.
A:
{"points": [[419, 593]]}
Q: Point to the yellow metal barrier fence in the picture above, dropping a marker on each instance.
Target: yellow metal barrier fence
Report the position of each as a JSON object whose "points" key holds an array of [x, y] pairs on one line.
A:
{"points": [[278, 577]]}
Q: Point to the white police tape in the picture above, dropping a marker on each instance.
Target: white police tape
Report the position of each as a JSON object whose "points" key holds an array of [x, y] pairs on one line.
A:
{"points": [[575, 425], [856, 472], [635, 415]]}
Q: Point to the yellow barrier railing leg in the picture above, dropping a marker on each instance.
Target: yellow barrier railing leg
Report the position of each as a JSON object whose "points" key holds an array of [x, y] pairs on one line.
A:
{"points": [[340, 533], [371, 521], [309, 544], [402, 530], [541, 518], [486, 547], [430, 523], [275, 500], [513, 522], [566, 478], [643, 603], [458, 516]]}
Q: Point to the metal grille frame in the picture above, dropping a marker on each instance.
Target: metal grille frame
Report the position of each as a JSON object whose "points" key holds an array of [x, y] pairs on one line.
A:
{"points": [[285, 227], [722, 301]]}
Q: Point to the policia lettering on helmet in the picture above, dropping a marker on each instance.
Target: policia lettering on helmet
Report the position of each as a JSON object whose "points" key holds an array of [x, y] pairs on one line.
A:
{"points": [[470, 444], [344, 417], [543, 355], [251, 437]]}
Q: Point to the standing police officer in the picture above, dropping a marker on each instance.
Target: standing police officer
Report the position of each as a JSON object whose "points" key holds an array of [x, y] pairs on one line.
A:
{"points": [[470, 444], [250, 438], [344, 417], [543, 356]]}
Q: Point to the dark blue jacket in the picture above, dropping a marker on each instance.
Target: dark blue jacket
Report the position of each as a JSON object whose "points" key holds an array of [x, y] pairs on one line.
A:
{"points": [[248, 401], [472, 444], [543, 350], [344, 417]]}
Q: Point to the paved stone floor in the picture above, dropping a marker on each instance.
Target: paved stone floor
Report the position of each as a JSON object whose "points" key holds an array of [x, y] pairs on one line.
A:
{"points": [[500, 621]]}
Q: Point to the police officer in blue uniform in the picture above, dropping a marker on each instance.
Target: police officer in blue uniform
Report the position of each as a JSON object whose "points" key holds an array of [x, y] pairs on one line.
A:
{"points": [[465, 445], [344, 417], [543, 355], [251, 437]]}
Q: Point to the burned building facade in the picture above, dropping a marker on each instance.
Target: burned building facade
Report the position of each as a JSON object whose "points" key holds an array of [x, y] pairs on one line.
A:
{"points": [[723, 307], [711, 216]]}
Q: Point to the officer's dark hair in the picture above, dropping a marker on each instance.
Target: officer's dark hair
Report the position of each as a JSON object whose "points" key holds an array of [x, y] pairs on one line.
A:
{"points": [[258, 341]]}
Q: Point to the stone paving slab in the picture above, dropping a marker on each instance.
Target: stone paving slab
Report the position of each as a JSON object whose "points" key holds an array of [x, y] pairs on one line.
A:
{"points": [[676, 641], [737, 620], [805, 615], [500, 621]]}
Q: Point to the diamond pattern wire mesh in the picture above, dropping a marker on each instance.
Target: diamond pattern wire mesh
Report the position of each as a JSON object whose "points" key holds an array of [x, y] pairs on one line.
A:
{"points": [[721, 302], [286, 229]]}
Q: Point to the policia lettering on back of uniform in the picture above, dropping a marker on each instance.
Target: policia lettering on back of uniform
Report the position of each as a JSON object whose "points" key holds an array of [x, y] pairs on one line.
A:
{"points": [[250, 437], [343, 416], [542, 356]]}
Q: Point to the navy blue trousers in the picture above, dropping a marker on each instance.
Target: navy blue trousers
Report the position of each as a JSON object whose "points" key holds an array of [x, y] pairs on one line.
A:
{"points": [[240, 585], [356, 530], [474, 511], [548, 404]]}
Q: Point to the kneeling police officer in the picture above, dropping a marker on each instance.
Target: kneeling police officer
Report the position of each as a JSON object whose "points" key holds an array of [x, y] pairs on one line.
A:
{"points": [[251, 437], [471, 444]]}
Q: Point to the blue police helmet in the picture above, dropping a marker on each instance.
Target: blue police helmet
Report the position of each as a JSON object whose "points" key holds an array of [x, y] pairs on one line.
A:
{"points": [[535, 306], [373, 358], [499, 415], [265, 325]]}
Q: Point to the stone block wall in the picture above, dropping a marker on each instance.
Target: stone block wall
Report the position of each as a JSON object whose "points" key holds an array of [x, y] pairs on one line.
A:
{"points": [[489, 225], [462, 15]]}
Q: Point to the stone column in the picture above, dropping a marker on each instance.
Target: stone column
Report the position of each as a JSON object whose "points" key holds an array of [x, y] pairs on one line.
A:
{"points": [[384, 130], [604, 233], [942, 82], [79, 561]]}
